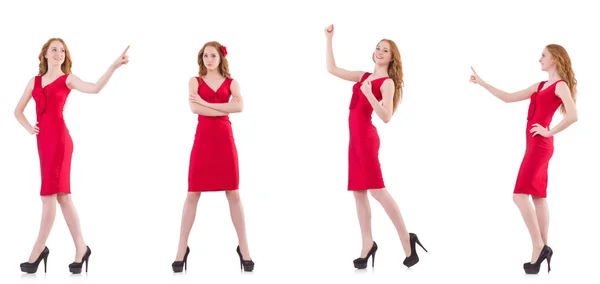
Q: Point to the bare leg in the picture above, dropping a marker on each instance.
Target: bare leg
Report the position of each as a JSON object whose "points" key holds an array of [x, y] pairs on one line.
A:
{"points": [[363, 210], [529, 216], [391, 208], [187, 220], [236, 210], [72, 220], [48, 216], [543, 216]]}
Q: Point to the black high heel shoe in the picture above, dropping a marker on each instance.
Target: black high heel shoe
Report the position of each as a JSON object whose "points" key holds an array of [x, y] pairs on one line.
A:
{"points": [[247, 264], [361, 262], [179, 265], [534, 268], [413, 258], [32, 267], [75, 267]]}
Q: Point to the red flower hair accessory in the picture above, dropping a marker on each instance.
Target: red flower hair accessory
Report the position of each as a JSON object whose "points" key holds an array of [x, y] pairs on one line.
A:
{"points": [[224, 50]]}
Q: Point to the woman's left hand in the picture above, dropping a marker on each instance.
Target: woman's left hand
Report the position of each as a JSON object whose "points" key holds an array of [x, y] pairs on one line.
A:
{"points": [[195, 98], [539, 130], [366, 87]]}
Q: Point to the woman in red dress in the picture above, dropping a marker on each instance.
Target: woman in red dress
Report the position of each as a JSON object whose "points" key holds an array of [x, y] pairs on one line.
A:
{"points": [[532, 180], [50, 89], [380, 91], [213, 95]]}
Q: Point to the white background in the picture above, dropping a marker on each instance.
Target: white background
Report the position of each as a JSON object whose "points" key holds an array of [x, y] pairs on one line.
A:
{"points": [[450, 155]]}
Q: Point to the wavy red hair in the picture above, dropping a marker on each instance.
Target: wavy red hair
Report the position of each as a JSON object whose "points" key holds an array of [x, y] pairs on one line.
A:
{"points": [[65, 67], [563, 67], [223, 63]]}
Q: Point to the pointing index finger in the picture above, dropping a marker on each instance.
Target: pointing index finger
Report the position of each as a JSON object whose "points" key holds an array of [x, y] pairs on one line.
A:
{"points": [[124, 52]]}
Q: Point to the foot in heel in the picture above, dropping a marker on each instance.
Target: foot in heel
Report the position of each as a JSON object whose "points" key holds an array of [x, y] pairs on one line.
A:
{"points": [[534, 268], [76, 267], [414, 257], [361, 262], [179, 265], [32, 267], [247, 265]]}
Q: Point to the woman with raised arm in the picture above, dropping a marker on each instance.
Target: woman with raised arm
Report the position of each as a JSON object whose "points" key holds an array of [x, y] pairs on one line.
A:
{"points": [[213, 95], [50, 89], [381, 92], [532, 180]]}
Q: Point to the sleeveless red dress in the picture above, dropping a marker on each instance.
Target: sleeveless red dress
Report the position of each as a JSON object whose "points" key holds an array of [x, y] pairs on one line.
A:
{"points": [[364, 170], [533, 173], [214, 159], [54, 143]]}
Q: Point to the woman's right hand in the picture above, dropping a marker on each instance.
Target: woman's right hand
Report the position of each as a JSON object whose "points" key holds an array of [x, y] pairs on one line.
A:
{"points": [[34, 130], [475, 79], [329, 31]]}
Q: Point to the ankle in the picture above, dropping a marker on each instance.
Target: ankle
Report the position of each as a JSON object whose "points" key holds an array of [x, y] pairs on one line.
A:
{"points": [[539, 245]]}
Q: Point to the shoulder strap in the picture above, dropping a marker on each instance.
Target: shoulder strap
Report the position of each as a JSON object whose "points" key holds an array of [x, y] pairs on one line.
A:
{"points": [[541, 85], [227, 84], [365, 76], [38, 81]]}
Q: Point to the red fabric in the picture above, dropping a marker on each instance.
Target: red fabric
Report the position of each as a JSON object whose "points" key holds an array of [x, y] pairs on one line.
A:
{"points": [[364, 170], [533, 173], [214, 159], [55, 146]]}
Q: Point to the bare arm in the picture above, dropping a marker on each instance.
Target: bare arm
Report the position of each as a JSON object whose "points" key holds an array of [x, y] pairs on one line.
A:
{"points": [[353, 76], [197, 108], [510, 97], [73, 82], [383, 109], [502, 95], [563, 92], [236, 104], [20, 109]]}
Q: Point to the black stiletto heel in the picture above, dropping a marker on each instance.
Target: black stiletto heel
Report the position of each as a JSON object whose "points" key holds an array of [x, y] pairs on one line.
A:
{"points": [[29, 267], [179, 265], [75, 267], [361, 262], [549, 258], [534, 268], [414, 257], [248, 265]]}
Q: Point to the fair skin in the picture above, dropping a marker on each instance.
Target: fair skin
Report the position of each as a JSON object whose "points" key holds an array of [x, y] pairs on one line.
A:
{"points": [[55, 57], [214, 80], [536, 215], [384, 111]]}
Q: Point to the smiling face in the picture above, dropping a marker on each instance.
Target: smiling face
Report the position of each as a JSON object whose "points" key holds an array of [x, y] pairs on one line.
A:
{"points": [[56, 53], [211, 58], [383, 53], [546, 60]]}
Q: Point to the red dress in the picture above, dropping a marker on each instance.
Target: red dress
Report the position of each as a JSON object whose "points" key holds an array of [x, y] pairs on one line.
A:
{"points": [[55, 146], [364, 170], [214, 159], [533, 173]]}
